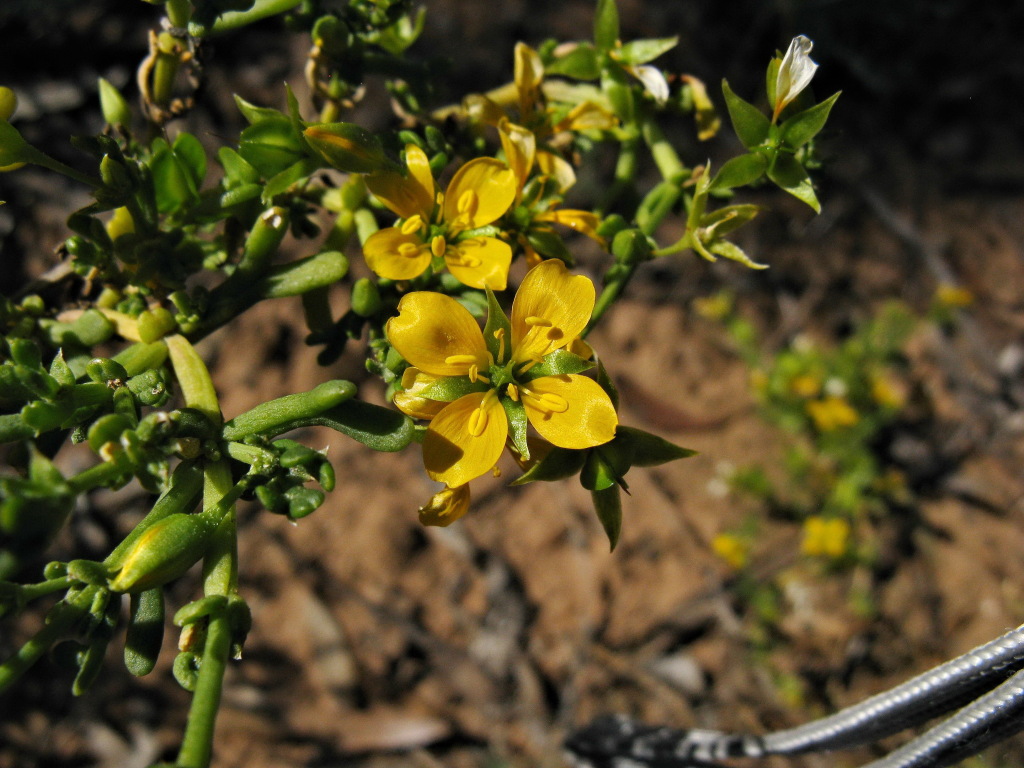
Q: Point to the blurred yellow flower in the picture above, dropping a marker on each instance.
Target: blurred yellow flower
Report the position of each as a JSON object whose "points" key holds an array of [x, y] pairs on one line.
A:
{"points": [[952, 296], [732, 549], [825, 537], [832, 413], [805, 385]]}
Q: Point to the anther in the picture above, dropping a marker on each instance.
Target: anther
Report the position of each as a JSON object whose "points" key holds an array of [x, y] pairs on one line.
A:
{"points": [[438, 246], [412, 225]]}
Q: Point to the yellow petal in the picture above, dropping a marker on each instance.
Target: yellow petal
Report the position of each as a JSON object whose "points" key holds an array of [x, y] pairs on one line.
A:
{"points": [[445, 506], [520, 147], [570, 411], [479, 192], [480, 109], [437, 335], [465, 439], [395, 255], [587, 116], [558, 168], [528, 74], [409, 399], [406, 195], [551, 308], [584, 222], [480, 262]]}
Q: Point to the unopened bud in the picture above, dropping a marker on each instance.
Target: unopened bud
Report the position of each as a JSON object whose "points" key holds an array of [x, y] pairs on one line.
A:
{"points": [[347, 147]]}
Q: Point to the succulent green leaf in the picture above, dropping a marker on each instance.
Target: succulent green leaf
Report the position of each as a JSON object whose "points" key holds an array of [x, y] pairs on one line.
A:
{"points": [[606, 25], [381, 429], [192, 156], [298, 277], [642, 51], [749, 123], [581, 63], [740, 171], [733, 252], [802, 127], [145, 631], [277, 416], [787, 172]]}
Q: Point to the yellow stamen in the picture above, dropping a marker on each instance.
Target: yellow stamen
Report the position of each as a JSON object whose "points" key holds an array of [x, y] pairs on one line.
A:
{"points": [[538, 321], [413, 225], [475, 375], [478, 419], [438, 246], [409, 250], [499, 334], [460, 360], [547, 402], [513, 392]]}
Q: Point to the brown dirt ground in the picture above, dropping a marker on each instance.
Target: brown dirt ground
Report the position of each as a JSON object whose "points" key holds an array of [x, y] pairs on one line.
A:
{"points": [[378, 643]]}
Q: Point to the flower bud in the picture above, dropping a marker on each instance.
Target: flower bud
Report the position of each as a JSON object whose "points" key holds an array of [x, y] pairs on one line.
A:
{"points": [[795, 73], [446, 506], [8, 103], [113, 105], [164, 552], [347, 147], [365, 297]]}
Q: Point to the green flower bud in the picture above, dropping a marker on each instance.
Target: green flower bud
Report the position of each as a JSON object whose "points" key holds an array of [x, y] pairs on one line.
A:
{"points": [[113, 105], [366, 297], [264, 240], [105, 370], [164, 552], [155, 324], [347, 147]]}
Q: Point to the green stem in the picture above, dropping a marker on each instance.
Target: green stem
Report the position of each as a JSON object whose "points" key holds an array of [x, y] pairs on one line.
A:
{"points": [[664, 154], [227, 22], [99, 475], [197, 743], [34, 591], [30, 652], [625, 173], [38, 158], [179, 12]]}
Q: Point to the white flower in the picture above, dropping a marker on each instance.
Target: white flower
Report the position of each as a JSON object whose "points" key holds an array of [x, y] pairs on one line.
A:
{"points": [[653, 80], [795, 72]]}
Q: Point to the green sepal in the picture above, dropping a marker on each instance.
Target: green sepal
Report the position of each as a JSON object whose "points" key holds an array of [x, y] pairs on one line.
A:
{"points": [[517, 423], [381, 429], [557, 363], [557, 464], [451, 388], [606, 25], [597, 474], [277, 416], [740, 171], [647, 450], [497, 320], [749, 123], [789, 175], [772, 77], [581, 63], [145, 631], [801, 128], [608, 506], [642, 51]]}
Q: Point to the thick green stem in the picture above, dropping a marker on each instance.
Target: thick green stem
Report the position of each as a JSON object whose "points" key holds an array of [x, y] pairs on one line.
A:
{"points": [[55, 628], [226, 22], [664, 154], [197, 744], [625, 173]]}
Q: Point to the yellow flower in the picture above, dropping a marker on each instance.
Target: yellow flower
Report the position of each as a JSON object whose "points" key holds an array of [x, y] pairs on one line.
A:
{"points": [[952, 296], [732, 549], [828, 538], [490, 394], [440, 227], [805, 385], [832, 413]]}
